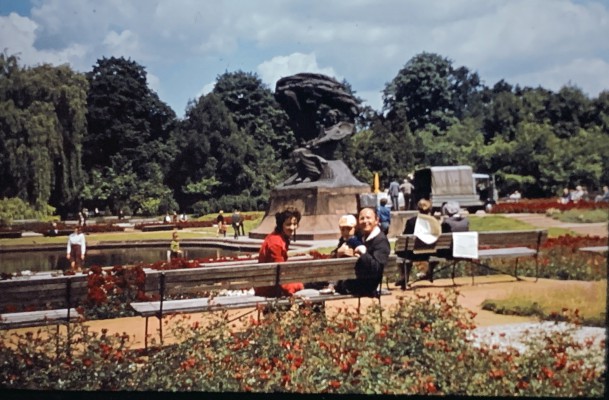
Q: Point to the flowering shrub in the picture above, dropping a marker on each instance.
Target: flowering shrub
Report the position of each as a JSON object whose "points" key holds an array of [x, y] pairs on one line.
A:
{"points": [[559, 258], [424, 347], [111, 291], [541, 206]]}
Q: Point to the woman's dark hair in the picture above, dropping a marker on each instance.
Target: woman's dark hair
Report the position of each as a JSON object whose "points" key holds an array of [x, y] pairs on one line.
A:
{"points": [[284, 215]]}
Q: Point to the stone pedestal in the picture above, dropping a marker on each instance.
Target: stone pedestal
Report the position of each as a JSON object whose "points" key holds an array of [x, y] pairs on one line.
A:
{"points": [[321, 203]]}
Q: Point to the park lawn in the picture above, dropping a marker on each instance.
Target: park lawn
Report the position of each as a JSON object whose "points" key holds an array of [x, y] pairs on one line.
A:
{"points": [[589, 298], [501, 223], [496, 223], [486, 223]]}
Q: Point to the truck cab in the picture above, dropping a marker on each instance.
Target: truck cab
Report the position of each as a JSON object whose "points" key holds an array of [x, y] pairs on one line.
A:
{"points": [[441, 184]]}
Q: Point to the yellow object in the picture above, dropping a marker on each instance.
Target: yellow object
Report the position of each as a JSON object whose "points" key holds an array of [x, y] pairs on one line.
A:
{"points": [[376, 183]]}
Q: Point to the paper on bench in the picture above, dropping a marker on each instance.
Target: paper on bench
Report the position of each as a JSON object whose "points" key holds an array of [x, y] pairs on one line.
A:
{"points": [[427, 229], [465, 245]]}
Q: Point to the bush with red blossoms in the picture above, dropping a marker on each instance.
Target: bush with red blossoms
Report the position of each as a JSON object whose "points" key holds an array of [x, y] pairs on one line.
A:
{"points": [[422, 346], [559, 258], [540, 206]]}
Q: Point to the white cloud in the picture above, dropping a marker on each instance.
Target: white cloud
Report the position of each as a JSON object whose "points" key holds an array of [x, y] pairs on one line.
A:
{"points": [[189, 42], [206, 89], [125, 44], [590, 75], [17, 37], [276, 68]]}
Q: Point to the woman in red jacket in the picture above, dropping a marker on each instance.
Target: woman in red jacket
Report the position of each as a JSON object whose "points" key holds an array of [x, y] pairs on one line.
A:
{"points": [[275, 249]]}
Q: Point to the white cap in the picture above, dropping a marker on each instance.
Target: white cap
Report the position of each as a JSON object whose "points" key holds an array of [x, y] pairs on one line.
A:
{"points": [[347, 220]]}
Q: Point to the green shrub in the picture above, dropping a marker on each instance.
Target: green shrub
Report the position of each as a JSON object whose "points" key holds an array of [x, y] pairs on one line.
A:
{"points": [[15, 208], [582, 216]]}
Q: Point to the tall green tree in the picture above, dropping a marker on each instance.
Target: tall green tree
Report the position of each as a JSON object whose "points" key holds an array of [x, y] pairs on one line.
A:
{"points": [[568, 111], [431, 93], [42, 123], [124, 115], [255, 111], [129, 134], [218, 160]]}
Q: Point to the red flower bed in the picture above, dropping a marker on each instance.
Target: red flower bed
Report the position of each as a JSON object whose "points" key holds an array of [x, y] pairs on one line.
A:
{"points": [[540, 206], [574, 242]]}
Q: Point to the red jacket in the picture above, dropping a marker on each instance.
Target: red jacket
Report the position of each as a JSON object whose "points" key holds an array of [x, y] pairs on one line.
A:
{"points": [[275, 249]]}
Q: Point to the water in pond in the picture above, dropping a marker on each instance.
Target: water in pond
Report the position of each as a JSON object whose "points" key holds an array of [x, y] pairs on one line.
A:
{"points": [[36, 261]]}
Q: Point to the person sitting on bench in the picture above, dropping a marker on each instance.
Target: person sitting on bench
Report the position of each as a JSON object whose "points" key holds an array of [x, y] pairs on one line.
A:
{"points": [[424, 208], [372, 256], [275, 249]]}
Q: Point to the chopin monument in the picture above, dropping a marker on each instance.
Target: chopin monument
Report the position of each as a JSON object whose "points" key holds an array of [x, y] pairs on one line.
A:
{"points": [[322, 188]]}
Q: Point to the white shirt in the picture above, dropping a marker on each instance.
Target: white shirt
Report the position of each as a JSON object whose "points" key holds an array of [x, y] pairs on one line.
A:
{"points": [[77, 239]]}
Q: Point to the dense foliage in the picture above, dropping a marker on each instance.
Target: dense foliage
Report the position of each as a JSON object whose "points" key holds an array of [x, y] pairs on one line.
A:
{"points": [[424, 347], [104, 139], [42, 125]]}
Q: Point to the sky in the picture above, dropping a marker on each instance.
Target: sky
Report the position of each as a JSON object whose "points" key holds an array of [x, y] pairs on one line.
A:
{"points": [[185, 45]]}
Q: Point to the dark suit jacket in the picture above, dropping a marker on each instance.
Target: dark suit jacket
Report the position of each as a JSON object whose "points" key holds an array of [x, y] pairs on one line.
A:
{"points": [[369, 267]]}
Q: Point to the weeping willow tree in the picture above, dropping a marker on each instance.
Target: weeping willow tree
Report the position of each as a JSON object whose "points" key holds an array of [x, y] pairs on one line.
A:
{"points": [[42, 122]]}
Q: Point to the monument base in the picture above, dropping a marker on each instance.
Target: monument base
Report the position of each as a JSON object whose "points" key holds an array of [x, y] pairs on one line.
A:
{"points": [[321, 203], [321, 208]]}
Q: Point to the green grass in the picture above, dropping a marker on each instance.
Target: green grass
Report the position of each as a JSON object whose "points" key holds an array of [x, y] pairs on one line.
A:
{"points": [[496, 223], [193, 233], [582, 216], [501, 223], [587, 297]]}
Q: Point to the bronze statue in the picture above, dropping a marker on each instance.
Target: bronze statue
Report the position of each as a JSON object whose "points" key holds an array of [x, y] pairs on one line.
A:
{"points": [[321, 113]]}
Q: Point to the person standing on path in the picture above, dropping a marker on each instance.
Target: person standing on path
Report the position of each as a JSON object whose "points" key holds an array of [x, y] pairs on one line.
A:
{"points": [[394, 194], [221, 224], [384, 214], [174, 247], [236, 222], [76, 249], [406, 187]]}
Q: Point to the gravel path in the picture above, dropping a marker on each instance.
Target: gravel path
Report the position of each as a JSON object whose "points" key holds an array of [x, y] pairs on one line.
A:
{"points": [[516, 335]]}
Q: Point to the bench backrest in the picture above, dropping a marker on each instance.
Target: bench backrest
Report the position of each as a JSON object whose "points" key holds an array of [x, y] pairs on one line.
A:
{"points": [[529, 238], [245, 276], [42, 292]]}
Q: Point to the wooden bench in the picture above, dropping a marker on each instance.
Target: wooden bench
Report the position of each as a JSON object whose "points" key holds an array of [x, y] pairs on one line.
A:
{"points": [[200, 282], [595, 249], [159, 227], [53, 298], [491, 245], [10, 234]]}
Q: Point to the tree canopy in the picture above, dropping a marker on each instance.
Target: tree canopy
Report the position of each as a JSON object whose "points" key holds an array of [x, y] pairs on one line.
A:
{"points": [[104, 139]]}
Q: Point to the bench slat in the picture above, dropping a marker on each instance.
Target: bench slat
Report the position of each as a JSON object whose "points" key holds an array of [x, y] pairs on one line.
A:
{"points": [[36, 318]]}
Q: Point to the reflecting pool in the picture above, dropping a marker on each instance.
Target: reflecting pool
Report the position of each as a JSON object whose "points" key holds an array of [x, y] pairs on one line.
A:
{"points": [[37, 261]]}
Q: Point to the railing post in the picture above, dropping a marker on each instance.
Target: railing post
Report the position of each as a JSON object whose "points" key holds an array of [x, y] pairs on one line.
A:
{"points": [[162, 291], [69, 305]]}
